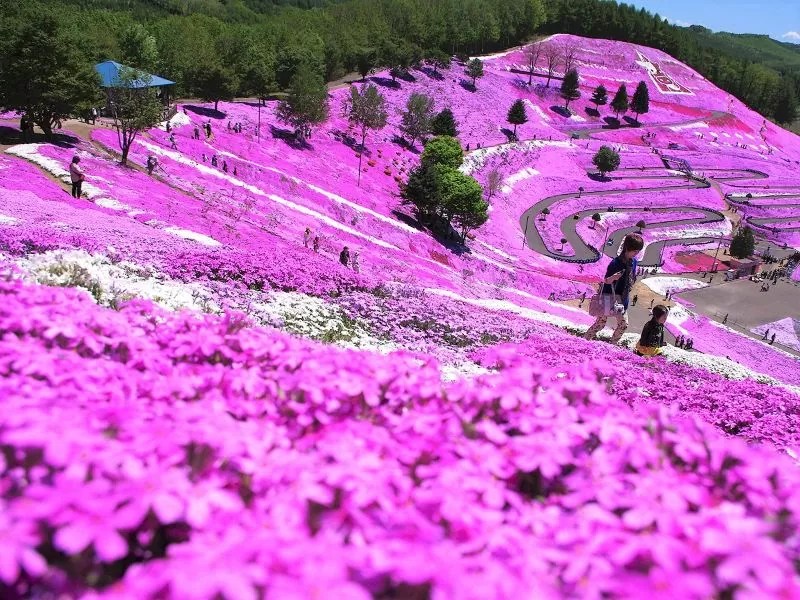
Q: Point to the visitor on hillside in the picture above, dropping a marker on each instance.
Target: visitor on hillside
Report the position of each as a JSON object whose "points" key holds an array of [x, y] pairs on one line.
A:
{"points": [[76, 176], [583, 299], [225, 165], [725, 319], [651, 302], [214, 162], [172, 143], [316, 243], [235, 174], [208, 129], [230, 127], [196, 134], [679, 342], [766, 333], [344, 256], [772, 339], [690, 344], [306, 237], [616, 288], [169, 127], [652, 338], [93, 114], [635, 299], [23, 128], [152, 163], [355, 262]]}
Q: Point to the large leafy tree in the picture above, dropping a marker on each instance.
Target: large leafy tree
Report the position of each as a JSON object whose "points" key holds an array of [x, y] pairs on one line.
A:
{"points": [[606, 160], [462, 201], [423, 191], [600, 96], [475, 69], [139, 48], [417, 118], [44, 75], [743, 243], [134, 109], [444, 124], [640, 103], [570, 87], [517, 115], [307, 102], [214, 83], [620, 102], [444, 151], [366, 109]]}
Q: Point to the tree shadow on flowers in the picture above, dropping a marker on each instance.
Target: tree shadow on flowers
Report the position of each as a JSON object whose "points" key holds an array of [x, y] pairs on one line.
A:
{"points": [[386, 82], [290, 137], [12, 135], [204, 111], [560, 110], [431, 73]]}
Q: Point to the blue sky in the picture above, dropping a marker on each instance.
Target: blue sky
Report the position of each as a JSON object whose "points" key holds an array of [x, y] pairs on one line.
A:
{"points": [[780, 19]]}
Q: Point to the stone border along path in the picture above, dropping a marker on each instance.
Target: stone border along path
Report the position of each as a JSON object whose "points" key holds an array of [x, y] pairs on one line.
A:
{"points": [[585, 253]]}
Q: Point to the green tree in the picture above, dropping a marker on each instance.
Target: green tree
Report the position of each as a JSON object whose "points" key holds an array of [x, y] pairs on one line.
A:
{"points": [[439, 60], [606, 160], [444, 151], [423, 191], [214, 83], [600, 96], [44, 75], [517, 115], [135, 108], [366, 61], [640, 103], [570, 87], [293, 55], [139, 48], [306, 104], [366, 109], [444, 124], [785, 110], [743, 243], [417, 118], [620, 102], [462, 201], [475, 69]]}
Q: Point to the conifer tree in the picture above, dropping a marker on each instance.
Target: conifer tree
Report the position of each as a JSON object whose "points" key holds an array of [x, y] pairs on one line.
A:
{"points": [[570, 87], [620, 102], [600, 96], [640, 103], [517, 115]]}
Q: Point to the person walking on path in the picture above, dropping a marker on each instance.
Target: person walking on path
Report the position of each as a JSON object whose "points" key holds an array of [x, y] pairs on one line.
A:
{"points": [[725, 319], [172, 143], [214, 162], [344, 256], [635, 299], [355, 262], [652, 338], [651, 302], [152, 163], [306, 237], [316, 243], [76, 176], [619, 279], [772, 339], [196, 132]]}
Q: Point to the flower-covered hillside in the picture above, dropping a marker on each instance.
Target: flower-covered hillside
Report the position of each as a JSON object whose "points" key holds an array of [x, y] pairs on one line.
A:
{"points": [[200, 400]]}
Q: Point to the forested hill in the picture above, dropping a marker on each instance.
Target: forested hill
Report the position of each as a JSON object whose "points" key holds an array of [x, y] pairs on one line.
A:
{"points": [[253, 47]]}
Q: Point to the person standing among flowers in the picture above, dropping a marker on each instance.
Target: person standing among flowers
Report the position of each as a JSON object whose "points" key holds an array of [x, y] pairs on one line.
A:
{"points": [[617, 284], [316, 243], [76, 176], [306, 236], [344, 256], [355, 263]]}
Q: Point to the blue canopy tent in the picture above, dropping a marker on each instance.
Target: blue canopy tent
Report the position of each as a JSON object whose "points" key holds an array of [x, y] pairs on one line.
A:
{"points": [[111, 74]]}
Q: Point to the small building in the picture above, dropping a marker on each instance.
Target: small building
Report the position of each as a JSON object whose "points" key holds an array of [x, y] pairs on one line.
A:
{"points": [[111, 75], [746, 266]]}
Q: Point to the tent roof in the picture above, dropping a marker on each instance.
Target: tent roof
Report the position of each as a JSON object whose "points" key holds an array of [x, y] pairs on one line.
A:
{"points": [[110, 74]]}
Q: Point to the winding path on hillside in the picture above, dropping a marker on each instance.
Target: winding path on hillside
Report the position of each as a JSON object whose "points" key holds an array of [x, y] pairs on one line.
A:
{"points": [[711, 176], [585, 252]]}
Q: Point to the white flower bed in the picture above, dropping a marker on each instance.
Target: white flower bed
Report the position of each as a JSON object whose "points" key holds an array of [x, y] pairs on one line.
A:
{"points": [[111, 282], [662, 285]]}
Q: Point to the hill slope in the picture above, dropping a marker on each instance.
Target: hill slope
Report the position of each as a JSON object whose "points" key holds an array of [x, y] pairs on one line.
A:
{"points": [[443, 432]]}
